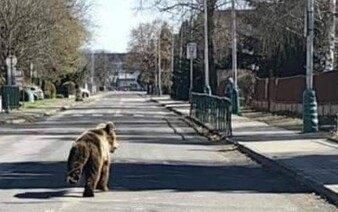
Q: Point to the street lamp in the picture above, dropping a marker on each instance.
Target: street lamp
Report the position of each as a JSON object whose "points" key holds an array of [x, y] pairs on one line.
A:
{"points": [[235, 92], [310, 114], [206, 49]]}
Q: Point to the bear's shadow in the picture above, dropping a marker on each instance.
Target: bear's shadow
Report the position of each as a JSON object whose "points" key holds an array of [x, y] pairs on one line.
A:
{"points": [[44, 195]]}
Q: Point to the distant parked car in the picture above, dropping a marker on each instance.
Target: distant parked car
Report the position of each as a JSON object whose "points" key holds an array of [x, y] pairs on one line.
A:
{"points": [[37, 91], [85, 93], [81, 93]]}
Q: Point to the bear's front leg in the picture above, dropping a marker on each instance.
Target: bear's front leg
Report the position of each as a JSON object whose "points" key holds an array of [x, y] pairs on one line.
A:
{"points": [[104, 178]]}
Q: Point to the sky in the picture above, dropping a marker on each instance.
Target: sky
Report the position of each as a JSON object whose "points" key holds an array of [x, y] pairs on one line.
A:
{"points": [[113, 20]]}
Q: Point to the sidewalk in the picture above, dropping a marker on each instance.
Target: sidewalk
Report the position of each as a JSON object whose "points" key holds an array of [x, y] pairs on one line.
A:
{"points": [[34, 114], [309, 158]]}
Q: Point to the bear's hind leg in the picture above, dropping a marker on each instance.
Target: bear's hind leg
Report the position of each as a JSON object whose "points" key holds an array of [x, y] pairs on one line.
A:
{"points": [[104, 177], [92, 174]]}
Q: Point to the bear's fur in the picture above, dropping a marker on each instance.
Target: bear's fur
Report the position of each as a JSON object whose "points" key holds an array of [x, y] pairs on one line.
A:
{"points": [[90, 155]]}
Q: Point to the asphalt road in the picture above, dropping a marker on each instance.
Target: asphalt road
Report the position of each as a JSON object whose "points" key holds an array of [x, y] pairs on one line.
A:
{"points": [[161, 165]]}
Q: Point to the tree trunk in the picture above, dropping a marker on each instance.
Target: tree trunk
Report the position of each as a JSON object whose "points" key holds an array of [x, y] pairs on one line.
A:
{"points": [[331, 33]]}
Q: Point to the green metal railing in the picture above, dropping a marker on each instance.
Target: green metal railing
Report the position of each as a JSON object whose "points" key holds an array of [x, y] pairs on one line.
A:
{"points": [[213, 111]]}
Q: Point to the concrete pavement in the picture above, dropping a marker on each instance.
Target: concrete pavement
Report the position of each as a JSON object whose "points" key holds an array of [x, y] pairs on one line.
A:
{"points": [[161, 165], [308, 158]]}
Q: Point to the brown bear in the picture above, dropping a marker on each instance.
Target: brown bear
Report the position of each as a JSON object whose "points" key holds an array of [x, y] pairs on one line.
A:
{"points": [[90, 155]]}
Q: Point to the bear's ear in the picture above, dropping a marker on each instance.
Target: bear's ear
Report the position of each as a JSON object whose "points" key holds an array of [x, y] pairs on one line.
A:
{"points": [[101, 126], [110, 127]]}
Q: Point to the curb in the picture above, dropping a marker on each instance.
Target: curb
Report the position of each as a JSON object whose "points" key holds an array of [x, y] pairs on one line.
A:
{"points": [[290, 172], [277, 166], [15, 121], [332, 140]]}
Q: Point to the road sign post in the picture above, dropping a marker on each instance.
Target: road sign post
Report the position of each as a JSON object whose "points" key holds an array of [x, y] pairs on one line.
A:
{"points": [[19, 78], [191, 54], [11, 62]]}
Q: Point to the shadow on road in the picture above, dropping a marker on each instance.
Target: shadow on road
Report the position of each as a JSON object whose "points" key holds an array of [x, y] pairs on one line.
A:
{"points": [[194, 178], [148, 177], [43, 195]]}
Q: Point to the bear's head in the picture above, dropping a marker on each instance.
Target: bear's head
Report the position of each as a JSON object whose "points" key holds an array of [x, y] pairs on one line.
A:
{"points": [[111, 136]]}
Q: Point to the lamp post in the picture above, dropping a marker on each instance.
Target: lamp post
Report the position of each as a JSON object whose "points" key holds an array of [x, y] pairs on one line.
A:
{"points": [[206, 49], [191, 55], [310, 114], [235, 92]]}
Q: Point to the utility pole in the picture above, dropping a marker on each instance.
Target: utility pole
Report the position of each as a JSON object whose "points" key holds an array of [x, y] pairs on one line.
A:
{"points": [[235, 93], [92, 72], [173, 52], [156, 66], [191, 88], [206, 49], [105, 71], [159, 64], [310, 114]]}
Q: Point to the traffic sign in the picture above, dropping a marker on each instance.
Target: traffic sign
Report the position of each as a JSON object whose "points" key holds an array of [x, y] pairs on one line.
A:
{"points": [[11, 61], [192, 51], [18, 73]]}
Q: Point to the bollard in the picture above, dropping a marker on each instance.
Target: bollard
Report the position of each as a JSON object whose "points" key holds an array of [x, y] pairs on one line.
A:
{"points": [[7, 104]]}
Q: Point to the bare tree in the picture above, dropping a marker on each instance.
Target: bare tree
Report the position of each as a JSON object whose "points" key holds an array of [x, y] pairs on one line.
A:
{"points": [[145, 52], [278, 28], [184, 9], [46, 33]]}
